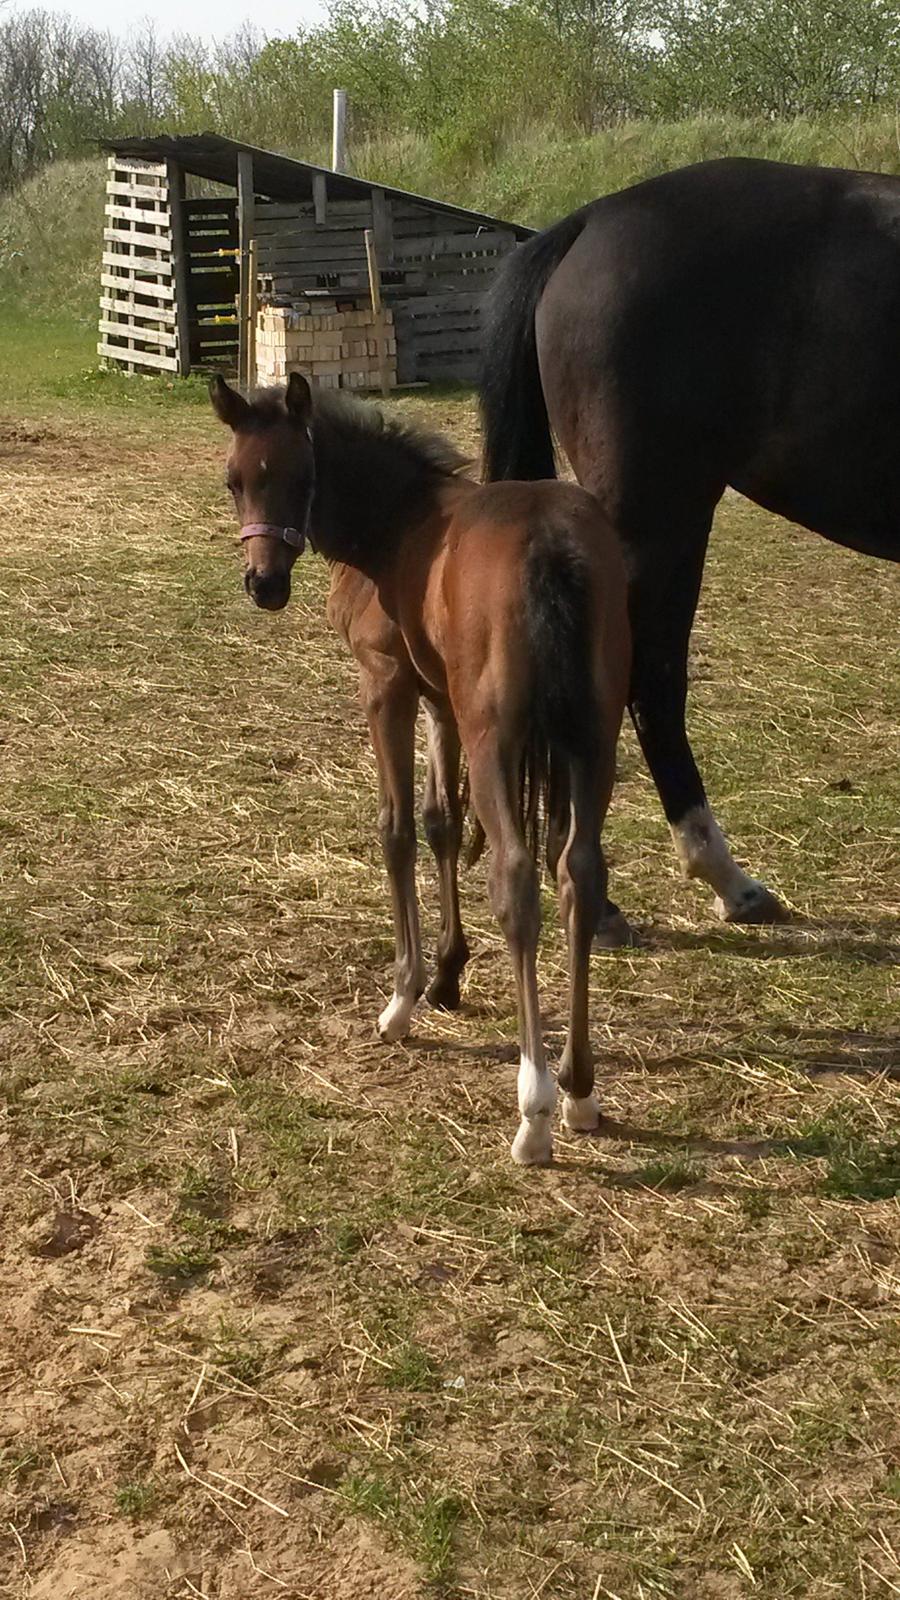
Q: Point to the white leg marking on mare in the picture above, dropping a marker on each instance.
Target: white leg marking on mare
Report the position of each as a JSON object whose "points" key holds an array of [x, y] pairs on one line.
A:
{"points": [[703, 852], [581, 1116], [533, 1144], [393, 1024]]}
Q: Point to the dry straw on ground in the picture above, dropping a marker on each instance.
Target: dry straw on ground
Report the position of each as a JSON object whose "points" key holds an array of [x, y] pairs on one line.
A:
{"points": [[280, 1317]]}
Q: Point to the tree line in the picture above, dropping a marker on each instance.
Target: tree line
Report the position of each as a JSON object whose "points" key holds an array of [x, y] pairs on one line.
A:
{"points": [[468, 74]]}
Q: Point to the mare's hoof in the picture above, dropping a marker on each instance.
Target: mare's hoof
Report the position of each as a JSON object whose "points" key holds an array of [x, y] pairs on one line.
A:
{"points": [[759, 907], [443, 992], [613, 931]]}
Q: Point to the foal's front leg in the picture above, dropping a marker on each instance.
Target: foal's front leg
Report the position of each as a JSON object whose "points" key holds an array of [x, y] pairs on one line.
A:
{"points": [[391, 699]]}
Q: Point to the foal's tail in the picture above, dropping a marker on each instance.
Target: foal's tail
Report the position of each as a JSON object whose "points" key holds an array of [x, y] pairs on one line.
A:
{"points": [[517, 438], [564, 721]]}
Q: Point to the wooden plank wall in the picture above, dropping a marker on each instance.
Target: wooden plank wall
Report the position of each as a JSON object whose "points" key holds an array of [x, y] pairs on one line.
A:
{"points": [[439, 336], [298, 253], [138, 325], [446, 264]]}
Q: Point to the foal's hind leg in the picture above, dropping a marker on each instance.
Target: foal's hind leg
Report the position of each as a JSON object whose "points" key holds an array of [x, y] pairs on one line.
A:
{"points": [[515, 897], [442, 817], [390, 695], [581, 881]]}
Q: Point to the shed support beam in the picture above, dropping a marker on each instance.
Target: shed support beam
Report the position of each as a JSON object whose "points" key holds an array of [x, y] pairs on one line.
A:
{"points": [[176, 187], [246, 209], [320, 196]]}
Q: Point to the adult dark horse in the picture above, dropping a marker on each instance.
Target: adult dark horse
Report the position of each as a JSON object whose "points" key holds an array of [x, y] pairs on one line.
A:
{"points": [[733, 323]]}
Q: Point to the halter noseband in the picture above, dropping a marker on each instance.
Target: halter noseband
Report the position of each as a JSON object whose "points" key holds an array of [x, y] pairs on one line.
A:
{"points": [[295, 537]]}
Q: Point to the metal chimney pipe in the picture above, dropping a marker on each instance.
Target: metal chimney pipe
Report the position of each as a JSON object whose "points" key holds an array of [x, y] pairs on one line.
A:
{"points": [[339, 131]]}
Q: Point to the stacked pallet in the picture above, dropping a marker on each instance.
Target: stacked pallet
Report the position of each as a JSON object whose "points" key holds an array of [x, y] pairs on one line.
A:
{"points": [[139, 323], [334, 349]]}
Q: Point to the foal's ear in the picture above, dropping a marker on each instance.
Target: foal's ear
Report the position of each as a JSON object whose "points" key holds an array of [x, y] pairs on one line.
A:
{"points": [[298, 399], [229, 406]]}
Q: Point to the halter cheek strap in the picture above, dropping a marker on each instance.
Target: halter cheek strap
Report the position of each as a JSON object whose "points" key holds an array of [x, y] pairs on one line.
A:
{"points": [[295, 537]]}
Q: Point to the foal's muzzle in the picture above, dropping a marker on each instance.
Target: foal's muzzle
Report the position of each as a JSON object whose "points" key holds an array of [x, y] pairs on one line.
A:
{"points": [[271, 590]]}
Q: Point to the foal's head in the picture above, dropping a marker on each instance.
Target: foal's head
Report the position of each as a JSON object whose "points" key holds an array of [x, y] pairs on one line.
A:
{"points": [[271, 475]]}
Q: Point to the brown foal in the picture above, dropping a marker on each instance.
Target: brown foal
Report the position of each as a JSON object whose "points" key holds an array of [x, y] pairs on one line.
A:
{"points": [[502, 608]]}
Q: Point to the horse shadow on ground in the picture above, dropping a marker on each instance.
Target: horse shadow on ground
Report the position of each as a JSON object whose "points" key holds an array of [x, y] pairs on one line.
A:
{"points": [[875, 944], [811, 1052], [822, 1053]]}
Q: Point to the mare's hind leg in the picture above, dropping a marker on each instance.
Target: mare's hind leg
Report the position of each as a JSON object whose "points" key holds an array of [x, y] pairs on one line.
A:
{"points": [[515, 897], [581, 881], [663, 599], [443, 821], [390, 696]]}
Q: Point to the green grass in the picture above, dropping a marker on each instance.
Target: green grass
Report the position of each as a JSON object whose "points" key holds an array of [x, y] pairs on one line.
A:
{"points": [[411, 1368], [136, 1500], [180, 1264], [667, 1362], [425, 1528], [864, 1172], [50, 228], [669, 1173]]}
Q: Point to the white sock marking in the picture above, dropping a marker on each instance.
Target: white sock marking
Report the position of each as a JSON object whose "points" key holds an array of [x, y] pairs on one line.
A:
{"points": [[703, 851], [581, 1116], [533, 1144], [537, 1089], [393, 1024]]}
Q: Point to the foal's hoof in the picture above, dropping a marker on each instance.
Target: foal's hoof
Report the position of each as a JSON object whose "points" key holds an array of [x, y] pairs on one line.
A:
{"points": [[443, 992], [580, 1116], [533, 1144], [758, 905], [394, 1022], [613, 931]]}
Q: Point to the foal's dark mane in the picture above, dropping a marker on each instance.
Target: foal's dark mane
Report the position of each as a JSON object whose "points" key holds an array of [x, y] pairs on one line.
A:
{"points": [[344, 415], [376, 474]]}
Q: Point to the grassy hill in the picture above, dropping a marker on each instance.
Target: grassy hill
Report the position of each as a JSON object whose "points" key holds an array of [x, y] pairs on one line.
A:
{"points": [[50, 227]]}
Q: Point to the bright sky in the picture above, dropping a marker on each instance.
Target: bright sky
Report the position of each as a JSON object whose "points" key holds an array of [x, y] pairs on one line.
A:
{"points": [[208, 19]]}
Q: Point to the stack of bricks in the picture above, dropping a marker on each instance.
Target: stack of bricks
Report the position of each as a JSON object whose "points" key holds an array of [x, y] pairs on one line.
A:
{"points": [[334, 349]]}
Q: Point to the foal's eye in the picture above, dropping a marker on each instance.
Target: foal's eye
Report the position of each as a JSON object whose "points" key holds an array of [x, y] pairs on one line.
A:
{"points": [[233, 485]]}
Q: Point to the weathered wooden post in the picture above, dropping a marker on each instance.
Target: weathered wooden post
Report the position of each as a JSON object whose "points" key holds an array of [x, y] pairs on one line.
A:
{"points": [[245, 237], [181, 274], [252, 309], [377, 313]]}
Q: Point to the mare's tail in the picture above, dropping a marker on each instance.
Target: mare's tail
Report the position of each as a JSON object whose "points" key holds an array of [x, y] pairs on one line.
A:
{"points": [[517, 438]]}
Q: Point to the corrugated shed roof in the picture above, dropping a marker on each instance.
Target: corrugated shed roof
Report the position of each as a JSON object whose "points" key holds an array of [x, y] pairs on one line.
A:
{"points": [[210, 155]]}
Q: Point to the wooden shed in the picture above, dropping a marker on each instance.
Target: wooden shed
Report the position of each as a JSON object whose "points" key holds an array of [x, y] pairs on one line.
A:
{"points": [[177, 267]]}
